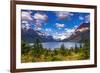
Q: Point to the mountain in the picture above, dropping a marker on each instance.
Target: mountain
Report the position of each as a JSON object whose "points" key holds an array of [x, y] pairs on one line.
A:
{"points": [[81, 33], [30, 35]]}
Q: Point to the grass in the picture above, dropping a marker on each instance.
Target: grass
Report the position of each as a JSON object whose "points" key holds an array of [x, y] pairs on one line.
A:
{"points": [[51, 56], [37, 53]]}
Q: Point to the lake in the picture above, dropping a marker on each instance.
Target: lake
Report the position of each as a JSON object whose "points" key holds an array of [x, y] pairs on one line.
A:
{"points": [[53, 45]]}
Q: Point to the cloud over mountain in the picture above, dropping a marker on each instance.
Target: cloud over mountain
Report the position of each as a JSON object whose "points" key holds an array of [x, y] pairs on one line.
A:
{"points": [[40, 19], [58, 24]]}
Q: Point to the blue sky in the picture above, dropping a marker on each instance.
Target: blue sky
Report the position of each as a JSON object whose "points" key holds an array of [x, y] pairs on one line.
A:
{"points": [[59, 24]]}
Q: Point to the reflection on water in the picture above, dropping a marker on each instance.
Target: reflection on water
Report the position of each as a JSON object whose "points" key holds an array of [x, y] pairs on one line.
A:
{"points": [[53, 45]]}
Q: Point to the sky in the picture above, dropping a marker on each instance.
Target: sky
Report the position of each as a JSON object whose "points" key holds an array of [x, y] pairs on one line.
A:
{"points": [[59, 24]]}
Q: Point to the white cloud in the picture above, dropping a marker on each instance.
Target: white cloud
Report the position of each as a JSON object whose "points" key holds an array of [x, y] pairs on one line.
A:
{"points": [[25, 25], [48, 30], [63, 14], [26, 16], [24, 22], [38, 28], [60, 36], [69, 30], [58, 25], [87, 19], [65, 34], [81, 18], [39, 16], [75, 26], [38, 23], [40, 19]]}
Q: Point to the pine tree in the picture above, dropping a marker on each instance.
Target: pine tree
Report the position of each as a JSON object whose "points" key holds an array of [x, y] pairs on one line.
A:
{"points": [[38, 48], [62, 49], [86, 49], [24, 47], [76, 48]]}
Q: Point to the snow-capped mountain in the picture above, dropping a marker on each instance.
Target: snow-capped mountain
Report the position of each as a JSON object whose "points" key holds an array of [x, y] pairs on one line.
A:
{"points": [[30, 35], [81, 33], [83, 27]]}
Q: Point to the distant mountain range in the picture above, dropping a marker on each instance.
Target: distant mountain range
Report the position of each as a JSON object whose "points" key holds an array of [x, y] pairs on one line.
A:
{"points": [[30, 35], [80, 33]]}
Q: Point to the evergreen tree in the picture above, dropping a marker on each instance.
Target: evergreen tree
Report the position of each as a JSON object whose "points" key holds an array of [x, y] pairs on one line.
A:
{"points": [[86, 49], [38, 48], [81, 46], [37, 44], [24, 47], [76, 48], [62, 49]]}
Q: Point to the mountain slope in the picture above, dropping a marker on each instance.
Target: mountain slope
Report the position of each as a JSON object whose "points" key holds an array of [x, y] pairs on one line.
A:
{"points": [[31, 35], [81, 33]]}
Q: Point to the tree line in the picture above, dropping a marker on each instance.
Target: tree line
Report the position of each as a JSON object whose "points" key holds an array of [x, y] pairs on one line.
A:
{"points": [[36, 52]]}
